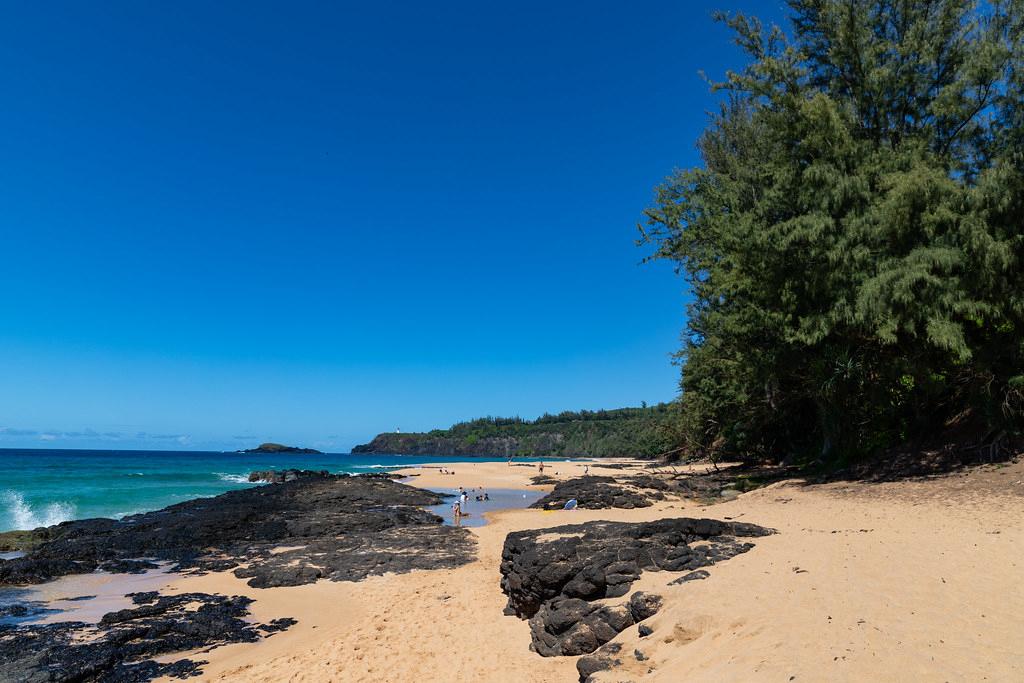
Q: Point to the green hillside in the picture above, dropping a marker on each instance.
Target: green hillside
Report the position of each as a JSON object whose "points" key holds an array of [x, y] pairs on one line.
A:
{"points": [[624, 432]]}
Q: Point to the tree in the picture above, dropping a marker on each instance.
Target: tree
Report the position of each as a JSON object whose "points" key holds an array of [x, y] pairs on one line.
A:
{"points": [[854, 238]]}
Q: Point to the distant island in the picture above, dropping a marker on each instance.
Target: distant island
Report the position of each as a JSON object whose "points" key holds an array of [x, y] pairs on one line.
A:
{"points": [[278, 448], [644, 432]]}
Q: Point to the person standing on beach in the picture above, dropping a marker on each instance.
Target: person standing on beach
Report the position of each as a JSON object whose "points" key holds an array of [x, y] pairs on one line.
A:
{"points": [[457, 511]]}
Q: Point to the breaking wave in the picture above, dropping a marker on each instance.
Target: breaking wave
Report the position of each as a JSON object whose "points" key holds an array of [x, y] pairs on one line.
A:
{"points": [[233, 478], [21, 515]]}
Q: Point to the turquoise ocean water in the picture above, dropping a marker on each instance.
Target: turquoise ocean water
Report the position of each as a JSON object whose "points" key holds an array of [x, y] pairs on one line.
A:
{"points": [[44, 487]]}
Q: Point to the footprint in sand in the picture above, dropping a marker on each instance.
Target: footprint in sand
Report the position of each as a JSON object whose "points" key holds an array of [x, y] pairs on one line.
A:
{"points": [[691, 630]]}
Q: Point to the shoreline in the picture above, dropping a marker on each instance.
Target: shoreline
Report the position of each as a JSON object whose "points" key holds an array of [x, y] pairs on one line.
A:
{"points": [[862, 581], [432, 609], [45, 487]]}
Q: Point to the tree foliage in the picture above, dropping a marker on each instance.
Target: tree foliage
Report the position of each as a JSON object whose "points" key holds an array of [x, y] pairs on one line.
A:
{"points": [[647, 431], [854, 236]]}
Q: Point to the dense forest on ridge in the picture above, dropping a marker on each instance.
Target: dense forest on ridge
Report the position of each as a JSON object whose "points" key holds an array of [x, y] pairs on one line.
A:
{"points": [[629, 432]]}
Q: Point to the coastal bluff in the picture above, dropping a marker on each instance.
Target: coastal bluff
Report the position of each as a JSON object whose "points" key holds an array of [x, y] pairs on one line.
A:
{"points": [[623, 432]]}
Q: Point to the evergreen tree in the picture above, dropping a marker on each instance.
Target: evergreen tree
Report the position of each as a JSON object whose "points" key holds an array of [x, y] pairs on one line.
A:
{"points": [[854, 237]]}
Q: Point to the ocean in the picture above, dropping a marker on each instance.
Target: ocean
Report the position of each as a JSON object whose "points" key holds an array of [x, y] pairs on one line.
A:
{"points": [[45, 487]]}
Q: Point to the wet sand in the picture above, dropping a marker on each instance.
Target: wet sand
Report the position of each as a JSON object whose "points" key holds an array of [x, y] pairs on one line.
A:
{"points": [[83, 597]]}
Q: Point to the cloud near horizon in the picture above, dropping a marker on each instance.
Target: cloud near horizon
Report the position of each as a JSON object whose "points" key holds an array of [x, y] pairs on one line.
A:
{"points": [[89, 434], [10, 431]]}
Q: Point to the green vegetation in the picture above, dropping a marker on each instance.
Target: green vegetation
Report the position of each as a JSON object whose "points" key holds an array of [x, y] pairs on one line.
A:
{"points": [[24, 540], [854, 236], [632, 432], [271, 447]]}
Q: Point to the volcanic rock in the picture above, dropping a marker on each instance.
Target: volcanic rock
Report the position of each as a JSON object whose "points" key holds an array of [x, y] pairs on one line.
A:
{"points": [[552, 576], [595, 492], [122, 647], [337, 527], [281, 476]]}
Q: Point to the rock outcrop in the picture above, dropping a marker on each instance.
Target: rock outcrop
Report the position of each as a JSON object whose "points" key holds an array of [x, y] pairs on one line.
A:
{"points": [[271, 447], [605, 658], [121, 648], [596, 492], [553, 576], [281, 476], [336, 527]]}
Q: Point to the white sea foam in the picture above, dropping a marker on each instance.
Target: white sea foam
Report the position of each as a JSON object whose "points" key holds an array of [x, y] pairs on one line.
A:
{"points": [[381, 467], [233, 478], [21, 515]]}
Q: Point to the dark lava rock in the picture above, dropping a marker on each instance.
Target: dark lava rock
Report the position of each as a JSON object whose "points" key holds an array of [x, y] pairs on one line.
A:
{"points": [[19, 609], [697, 575], [128, 566], [121, 648], [646, 481], [643, 630], [644, 605], [541, 479], [336, 527], [382, 475], [281, 476], [601, 559], [551, 575], [570, 626], [602, 660], [640, 656], [594, 492]]}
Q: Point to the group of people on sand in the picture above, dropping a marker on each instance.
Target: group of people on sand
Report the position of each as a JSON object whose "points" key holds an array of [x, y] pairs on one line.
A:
{"points": [[445, 470], [459, 506]]}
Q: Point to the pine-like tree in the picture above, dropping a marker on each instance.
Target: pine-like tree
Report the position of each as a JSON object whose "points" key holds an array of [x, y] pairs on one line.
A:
{"points": [[854, 237]]}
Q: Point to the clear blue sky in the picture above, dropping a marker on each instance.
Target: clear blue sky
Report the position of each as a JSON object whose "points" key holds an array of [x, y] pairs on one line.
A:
{"points": [[222, 223]]}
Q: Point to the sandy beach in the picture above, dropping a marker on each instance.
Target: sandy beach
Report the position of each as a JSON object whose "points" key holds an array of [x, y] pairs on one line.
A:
{"points": [[894, 581]]}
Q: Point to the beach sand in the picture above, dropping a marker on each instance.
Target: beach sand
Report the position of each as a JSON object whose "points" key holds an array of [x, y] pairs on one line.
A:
{"points": [[898, 581]]}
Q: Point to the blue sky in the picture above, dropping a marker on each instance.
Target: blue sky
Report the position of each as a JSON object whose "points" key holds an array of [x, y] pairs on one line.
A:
{"points": [[222, 223]]}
